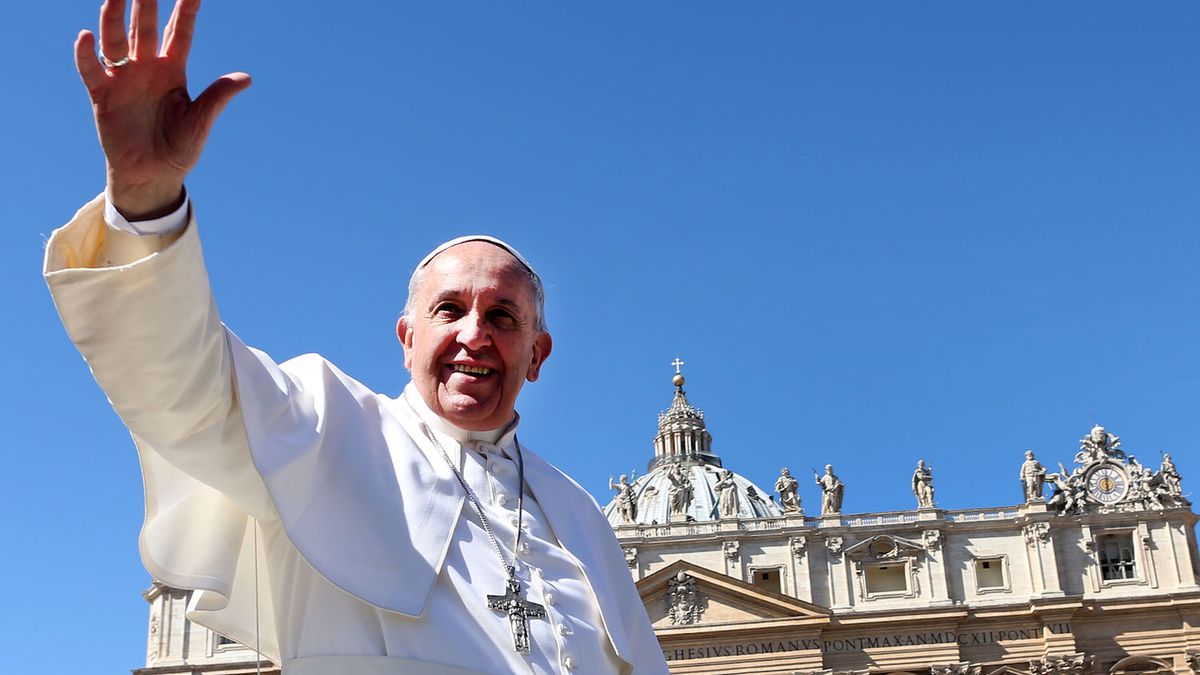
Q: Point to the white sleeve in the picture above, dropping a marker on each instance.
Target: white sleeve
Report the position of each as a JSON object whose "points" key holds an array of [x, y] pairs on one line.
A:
{"points": [[167, 224]]}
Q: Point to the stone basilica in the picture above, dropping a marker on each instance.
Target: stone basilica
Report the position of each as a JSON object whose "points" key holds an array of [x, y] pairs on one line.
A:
{"points": [[1094, 572]]}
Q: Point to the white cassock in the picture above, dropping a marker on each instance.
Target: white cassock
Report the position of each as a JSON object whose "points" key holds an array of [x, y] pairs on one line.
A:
{"points": [[367, 561]]}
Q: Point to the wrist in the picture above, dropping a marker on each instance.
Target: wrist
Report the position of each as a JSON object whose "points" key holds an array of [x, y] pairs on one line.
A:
{"points": [[145, 201]]}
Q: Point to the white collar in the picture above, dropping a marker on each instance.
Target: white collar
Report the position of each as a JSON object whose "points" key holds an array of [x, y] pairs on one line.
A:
{"points": [[499, 437]]}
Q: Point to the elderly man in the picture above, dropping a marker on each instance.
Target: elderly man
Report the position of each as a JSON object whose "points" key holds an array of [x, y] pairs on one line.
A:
{"points": [[335, 529]]}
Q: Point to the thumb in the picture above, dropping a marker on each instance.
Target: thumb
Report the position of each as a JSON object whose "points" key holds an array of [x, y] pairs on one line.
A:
{"points": [[213, 100]]}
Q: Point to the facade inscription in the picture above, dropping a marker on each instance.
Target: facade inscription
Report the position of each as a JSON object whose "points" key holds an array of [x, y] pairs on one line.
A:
{"points": [[864, 642]]}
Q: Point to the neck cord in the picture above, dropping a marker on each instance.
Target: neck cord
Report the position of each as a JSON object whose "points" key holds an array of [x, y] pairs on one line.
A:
{"points": [[510, 568]]}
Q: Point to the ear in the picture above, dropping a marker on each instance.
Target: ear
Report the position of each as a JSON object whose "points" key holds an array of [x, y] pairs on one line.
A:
{"points": [[404, 333], [542, 345]]}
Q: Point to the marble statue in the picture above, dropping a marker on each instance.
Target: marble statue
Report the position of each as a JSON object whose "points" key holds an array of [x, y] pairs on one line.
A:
{"points": [[626, 499], [727, 500], [1170, 477], [922, 485], [1097, 445], [1033, 478], [788, 489], [681, 491], [832, 490]]}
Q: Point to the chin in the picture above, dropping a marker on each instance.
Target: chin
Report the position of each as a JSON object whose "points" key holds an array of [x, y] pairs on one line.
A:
{"points": [[469, 413]]}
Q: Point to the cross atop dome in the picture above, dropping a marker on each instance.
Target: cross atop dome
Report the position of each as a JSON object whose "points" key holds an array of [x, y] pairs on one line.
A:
{"points": [[678, 379]]}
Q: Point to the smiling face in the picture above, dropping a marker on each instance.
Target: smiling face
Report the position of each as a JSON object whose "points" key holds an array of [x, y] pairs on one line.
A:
{"points": [[471, 339]]}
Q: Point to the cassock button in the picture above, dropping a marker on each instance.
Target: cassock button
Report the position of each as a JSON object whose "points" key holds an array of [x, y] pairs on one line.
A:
{"points": [[549, 598], [500, 468], [524, 548], [502, 499], [564, 630], [513, 520], [569, 662]]}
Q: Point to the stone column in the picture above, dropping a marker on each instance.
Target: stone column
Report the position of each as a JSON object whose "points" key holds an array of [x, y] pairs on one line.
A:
{"points": [[1058, 636], [801, 575], [841, 591], [1043, 561], [937, 569], [1181, 554]]}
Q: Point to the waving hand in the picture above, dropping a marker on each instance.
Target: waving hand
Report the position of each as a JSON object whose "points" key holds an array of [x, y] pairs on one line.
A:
{"points": [[151, 130]]}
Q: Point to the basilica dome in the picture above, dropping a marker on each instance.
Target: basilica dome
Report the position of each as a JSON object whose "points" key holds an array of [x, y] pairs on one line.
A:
{"points": [[685, 481]]}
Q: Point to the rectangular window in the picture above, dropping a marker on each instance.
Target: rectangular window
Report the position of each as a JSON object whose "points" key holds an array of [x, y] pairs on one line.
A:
{"points": [[989, 574], [1116, 556], [891, 578], [768, 579], [222, 641]]}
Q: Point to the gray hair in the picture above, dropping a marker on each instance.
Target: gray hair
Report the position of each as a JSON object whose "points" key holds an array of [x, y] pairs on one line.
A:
{"points": [[535, 284]]}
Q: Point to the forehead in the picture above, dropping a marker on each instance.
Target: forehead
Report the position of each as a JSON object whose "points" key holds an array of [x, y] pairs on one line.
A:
{"points": [[477, 266]]}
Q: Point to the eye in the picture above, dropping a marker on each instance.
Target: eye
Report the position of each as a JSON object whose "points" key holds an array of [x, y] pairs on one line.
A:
{"points": [[447, 310], [502, 318]]}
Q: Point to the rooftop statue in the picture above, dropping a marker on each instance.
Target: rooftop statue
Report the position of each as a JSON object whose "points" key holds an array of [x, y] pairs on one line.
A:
{"points": [[681, 491], [1097, 445], [788, 489], [727, 500], [1033, 478], [626, 499], [922, 485], [832, 490]]}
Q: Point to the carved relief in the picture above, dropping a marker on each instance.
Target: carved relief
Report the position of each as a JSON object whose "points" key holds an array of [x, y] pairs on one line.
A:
{"points": [[959, 668], [732, 550], [1068, 664], [1037, 533], [1193, 661], [1107, 479], [797, 545], [685, 604], [834, 544], [933, 539], [631, 553]]}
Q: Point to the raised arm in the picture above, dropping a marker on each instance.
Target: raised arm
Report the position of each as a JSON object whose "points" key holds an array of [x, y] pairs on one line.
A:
{"points": [[151, 130]]}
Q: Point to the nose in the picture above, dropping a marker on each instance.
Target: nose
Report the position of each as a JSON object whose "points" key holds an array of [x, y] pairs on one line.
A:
{"points": [[474, 332]]}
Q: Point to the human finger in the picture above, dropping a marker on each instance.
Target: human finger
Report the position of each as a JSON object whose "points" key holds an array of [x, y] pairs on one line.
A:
{"points": [[89, 68], [143, 29], [209, 104], [113, 42], [177, 38]]}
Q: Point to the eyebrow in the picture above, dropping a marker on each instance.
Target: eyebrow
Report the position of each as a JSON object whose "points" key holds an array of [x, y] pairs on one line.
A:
{"points": [[453, 295]]}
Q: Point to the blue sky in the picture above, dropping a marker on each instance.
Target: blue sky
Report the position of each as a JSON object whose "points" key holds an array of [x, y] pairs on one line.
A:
{"points": [[876, 232]]}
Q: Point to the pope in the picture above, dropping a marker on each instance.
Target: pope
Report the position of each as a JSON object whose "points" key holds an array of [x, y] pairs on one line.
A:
{"points": [[334, 529]]}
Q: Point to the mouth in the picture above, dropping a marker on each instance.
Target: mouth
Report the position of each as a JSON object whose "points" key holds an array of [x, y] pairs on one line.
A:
{"points": [[471, 370]]}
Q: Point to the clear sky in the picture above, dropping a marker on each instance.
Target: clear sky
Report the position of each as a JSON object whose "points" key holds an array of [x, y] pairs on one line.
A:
{"points": [[876, 232]]}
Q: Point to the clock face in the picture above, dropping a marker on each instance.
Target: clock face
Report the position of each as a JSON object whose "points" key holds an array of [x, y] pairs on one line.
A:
{"points": [[1107, 485]]}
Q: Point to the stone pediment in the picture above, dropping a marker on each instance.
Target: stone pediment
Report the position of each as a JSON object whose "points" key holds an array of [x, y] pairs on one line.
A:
{"points": [[884, 547], [683, 594]]}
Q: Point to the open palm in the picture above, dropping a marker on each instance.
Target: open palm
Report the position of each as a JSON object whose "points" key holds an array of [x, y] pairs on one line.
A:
{"points": [[151, 130]]}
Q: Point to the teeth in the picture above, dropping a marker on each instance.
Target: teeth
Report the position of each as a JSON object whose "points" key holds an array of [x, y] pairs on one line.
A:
{"points": [[471, 370]]}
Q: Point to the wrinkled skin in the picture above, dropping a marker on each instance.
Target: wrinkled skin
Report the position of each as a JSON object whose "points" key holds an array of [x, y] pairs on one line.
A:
{"points": [[474, 310]]}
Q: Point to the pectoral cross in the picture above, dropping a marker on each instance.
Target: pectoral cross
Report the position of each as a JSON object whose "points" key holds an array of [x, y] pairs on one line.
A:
{"points": [[519, 612]]}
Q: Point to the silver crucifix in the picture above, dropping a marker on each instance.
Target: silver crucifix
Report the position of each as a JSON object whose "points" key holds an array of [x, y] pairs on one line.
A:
{"points": [[519, 612]]}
